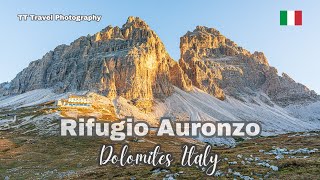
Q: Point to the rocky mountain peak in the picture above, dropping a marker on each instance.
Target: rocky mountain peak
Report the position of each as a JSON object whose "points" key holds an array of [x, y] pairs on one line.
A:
{"points": [[204, 29], [220, 67], [130, 61], [134, 29], [208, 42], [135, 22]]}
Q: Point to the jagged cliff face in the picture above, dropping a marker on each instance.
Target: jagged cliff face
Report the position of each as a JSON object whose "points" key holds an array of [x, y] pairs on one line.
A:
{"points": [[130, 61], [218, 66]]}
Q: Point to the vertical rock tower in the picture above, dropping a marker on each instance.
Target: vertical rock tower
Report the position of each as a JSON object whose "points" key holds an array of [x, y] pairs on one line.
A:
{"points": [[130, 61]]}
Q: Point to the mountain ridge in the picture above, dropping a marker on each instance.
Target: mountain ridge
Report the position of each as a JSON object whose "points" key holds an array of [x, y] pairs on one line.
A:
{"points": [[132, 61], [219, 66]]}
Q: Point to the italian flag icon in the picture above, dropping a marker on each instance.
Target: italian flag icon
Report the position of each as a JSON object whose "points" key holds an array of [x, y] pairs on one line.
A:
{"points": [[290, 18]]}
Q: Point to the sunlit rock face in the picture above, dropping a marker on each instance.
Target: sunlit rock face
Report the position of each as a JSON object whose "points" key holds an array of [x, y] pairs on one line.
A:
{"points": [[130, 61], [218, 66]]}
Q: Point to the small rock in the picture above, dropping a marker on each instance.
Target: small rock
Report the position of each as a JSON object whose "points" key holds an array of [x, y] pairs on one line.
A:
{"points": [[159, 170], [140, 141], [169, 178], [247, 178], [274, 168], [263, 164], [218, 173], [79, 165], [280, 156], [236, 174]]}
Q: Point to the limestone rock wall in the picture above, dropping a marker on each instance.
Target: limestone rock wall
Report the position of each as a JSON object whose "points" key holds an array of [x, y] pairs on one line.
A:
{"points": [[218, 66]]}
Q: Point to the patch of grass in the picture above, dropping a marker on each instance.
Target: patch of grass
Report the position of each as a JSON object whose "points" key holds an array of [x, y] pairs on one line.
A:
{"points": [[50, 157]]}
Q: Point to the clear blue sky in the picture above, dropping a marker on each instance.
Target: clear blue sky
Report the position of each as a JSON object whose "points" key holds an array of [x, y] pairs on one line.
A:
{"points": [[252, 24]]}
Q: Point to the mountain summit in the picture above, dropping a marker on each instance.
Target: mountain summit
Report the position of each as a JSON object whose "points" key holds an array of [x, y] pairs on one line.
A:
{"points": [[133, 58], [219, 66], [132, 62]]}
